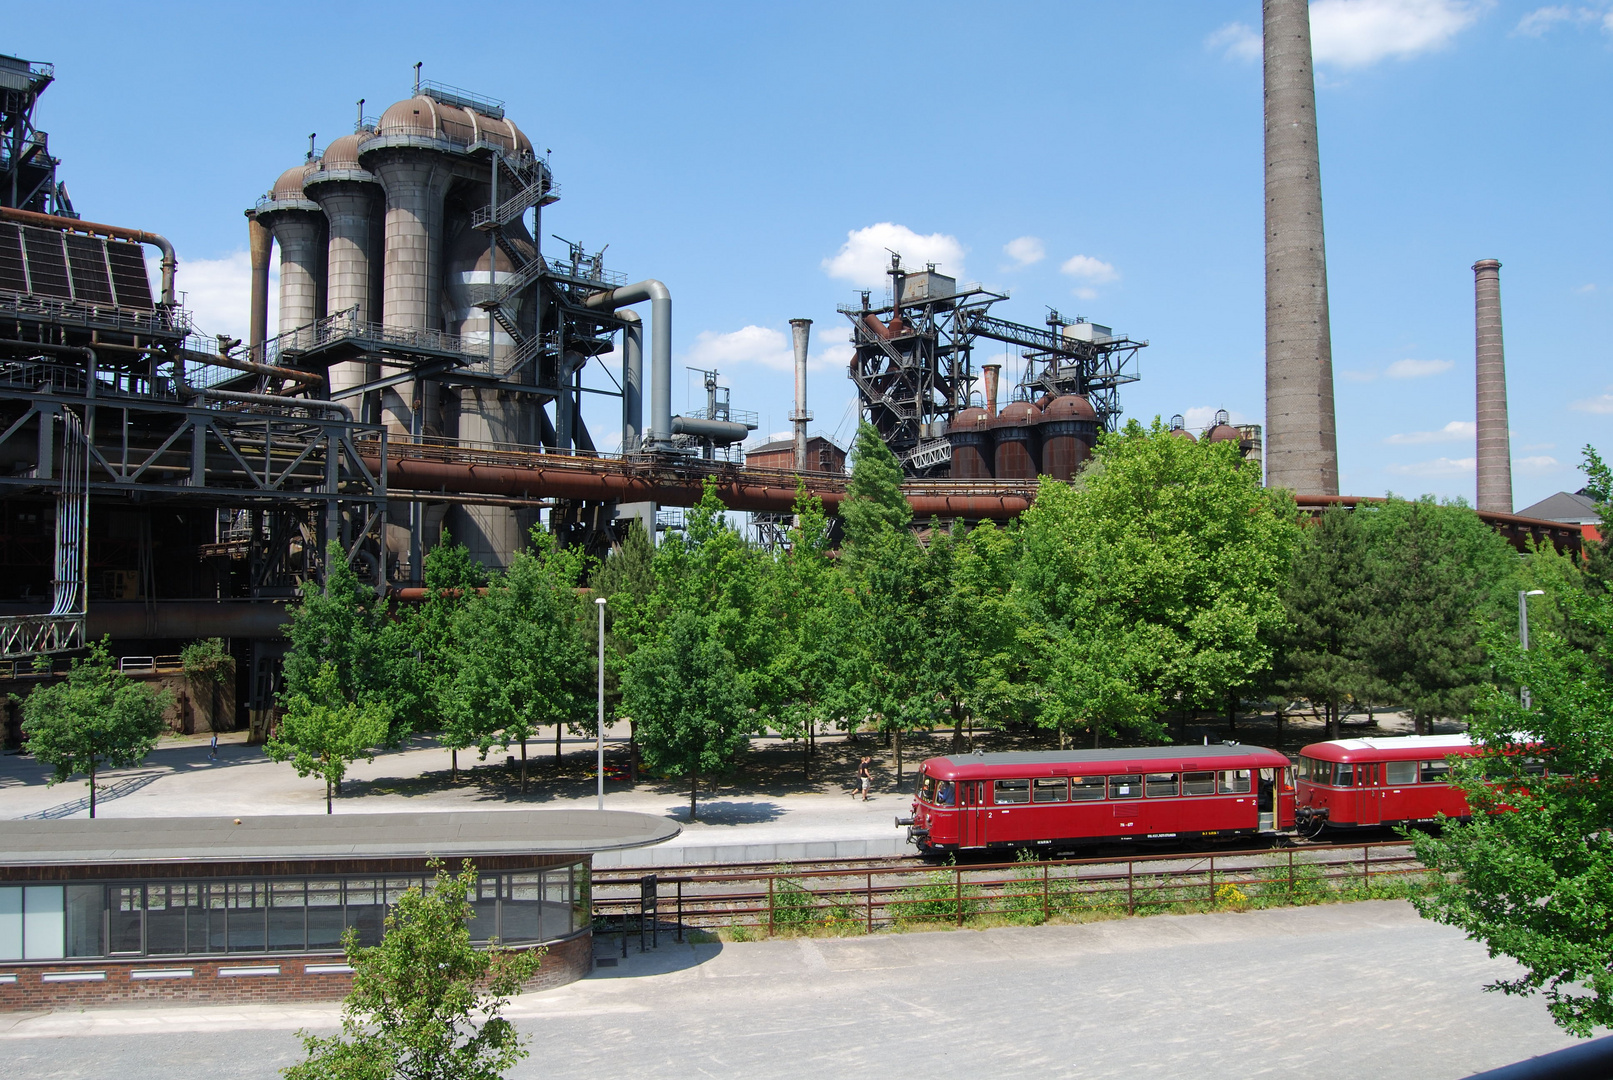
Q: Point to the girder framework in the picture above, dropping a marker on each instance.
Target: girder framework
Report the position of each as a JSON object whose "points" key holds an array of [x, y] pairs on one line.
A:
{"points": [[913, 364]]}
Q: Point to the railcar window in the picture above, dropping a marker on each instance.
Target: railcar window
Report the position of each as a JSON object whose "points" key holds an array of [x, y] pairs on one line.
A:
{"points": [[925, 788], [1344, 775], [1236, 781], [943, 793], [1086, 788], [1317, 772], [1435, 772], [1013, 791], [1534, 767], [1198, 783], [1126, 786], [1050, 789], [1400, 772], [1159, 785]]}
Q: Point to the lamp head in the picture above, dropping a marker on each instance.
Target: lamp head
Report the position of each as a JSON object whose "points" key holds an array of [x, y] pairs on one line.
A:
{"points": [[1535, 592], [600, 600]]}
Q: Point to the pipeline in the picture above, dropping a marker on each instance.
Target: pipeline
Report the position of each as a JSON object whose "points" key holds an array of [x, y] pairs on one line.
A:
{"points": [[51, 221], [311, 404], [660, 435], [307, 378]]}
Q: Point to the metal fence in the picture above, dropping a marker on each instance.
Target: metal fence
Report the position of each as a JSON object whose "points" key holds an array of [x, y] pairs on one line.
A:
{"points": [[862, 898]]}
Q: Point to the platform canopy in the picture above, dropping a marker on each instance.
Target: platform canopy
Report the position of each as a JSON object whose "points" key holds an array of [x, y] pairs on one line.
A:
{"points": [[78, 841]]}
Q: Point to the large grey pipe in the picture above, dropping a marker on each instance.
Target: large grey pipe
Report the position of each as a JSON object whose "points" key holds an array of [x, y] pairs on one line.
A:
{"points": [[660, 434], [1301, 440], [1494, 440], [801, 329], [632, 381]]}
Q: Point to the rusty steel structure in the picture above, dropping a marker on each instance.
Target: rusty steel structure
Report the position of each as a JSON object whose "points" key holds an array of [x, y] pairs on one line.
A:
{"points": [[913, 367]]}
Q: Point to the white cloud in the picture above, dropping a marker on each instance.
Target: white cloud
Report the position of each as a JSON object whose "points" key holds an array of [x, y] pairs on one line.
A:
{"points": [[1236, 41], [1455, 431], [1442, 466], [1086, 268], [1542, 20], [1601, 405], [1351, 375], [1586, 289], [1542, 463], [1355, 33], [218, 292], [1025, 250], [865, 256], [1417, 369], [760, 345]]}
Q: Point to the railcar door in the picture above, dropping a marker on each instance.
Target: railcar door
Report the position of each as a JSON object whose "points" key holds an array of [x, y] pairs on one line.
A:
{"points": [[1369, 793], [971, 813]]}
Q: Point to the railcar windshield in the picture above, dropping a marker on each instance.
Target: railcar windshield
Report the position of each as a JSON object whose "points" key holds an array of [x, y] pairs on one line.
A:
{"points": [[943, 793]]}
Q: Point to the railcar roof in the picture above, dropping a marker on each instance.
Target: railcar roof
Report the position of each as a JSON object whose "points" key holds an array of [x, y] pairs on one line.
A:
{"points": [[1399, 747], [1220, 754]]}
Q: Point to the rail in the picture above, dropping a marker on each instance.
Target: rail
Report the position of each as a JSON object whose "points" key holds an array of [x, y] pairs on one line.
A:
{"points": [[159, 322], [867, 898]]}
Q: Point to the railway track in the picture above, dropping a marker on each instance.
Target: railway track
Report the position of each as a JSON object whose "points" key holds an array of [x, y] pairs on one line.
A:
{"points": [[626, 875]]}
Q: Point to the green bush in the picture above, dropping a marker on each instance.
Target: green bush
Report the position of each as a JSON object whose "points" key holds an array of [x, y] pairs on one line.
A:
{"points": [[938, 899]]}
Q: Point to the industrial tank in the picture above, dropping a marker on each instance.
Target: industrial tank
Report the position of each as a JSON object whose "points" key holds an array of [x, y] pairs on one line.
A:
{"points": [[1069, 432], [971, 445], [1014, 430]]}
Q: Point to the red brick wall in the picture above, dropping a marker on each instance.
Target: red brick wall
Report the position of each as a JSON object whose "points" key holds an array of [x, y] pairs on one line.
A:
{"points": [[566, 961]]}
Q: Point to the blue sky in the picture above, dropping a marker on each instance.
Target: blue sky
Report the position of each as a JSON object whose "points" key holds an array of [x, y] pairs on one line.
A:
{"points": [[1100, 158]]}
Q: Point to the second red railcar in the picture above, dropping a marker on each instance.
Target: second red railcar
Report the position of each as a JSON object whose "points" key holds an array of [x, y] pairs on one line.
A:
{"points": [[1353, 783]]}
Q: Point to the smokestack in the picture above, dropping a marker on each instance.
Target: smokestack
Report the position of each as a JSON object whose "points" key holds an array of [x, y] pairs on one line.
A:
{"points": [[1494, 442], [992, 371], [800, 329], [1301, 441], [259, 241]]}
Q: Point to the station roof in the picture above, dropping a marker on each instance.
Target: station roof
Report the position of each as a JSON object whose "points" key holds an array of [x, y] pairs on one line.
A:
{"points": [[77, 841]]}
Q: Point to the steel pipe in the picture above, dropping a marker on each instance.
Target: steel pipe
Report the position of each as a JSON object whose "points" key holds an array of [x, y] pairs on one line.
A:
{"points": [[660, 436], [632, 381]]}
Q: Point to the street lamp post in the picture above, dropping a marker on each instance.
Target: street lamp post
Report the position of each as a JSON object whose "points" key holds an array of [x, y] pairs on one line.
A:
{"points": [[600, 736], [1523, 633], [1523, 615]]}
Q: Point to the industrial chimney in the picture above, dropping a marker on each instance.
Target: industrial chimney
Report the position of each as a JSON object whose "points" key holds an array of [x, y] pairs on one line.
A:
{"points": [[1301, 441], [1494, 443], [800, 329], [992, 371]]}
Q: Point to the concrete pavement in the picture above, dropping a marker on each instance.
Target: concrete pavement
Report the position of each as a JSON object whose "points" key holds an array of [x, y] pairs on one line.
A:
{"points": [[1339, 991]]}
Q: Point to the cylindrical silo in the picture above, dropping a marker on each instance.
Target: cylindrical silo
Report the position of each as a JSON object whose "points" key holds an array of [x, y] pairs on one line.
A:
{"points": [[298, 226], [1494, 440], [348, 194], [1014, 432], [1069, 432], [971, 445]]}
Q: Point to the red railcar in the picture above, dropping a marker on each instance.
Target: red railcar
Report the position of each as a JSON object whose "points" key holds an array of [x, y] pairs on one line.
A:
{"points": [[1351, 783], [1066, 799]]}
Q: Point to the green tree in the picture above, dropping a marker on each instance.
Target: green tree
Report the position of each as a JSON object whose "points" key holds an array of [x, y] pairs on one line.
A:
{"points": [[346, 625], [1171, 558], [425, 1004], [97, 718], [1328, 596], [626, 579], [322, 733], [1435, 571], [1599, 487], [1531, 875], [979, 635], [209, 667], [702, 650], [424, 664], [522, 658], [874, 501]]}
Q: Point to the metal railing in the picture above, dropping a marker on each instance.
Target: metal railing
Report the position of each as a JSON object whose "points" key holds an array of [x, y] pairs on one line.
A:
{"points": [[94, 316], [863, 898], [345, 326]]}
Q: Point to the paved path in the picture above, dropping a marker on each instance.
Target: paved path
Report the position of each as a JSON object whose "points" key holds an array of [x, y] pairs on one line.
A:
{"points": [[1346, 991]]}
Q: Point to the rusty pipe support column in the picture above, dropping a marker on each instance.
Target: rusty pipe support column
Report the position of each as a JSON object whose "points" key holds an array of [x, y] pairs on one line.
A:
{"points": [[260, 241]]}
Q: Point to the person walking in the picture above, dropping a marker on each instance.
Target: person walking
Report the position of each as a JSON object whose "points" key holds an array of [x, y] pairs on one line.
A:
{"points": [[865, 780], [212, 750]]}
